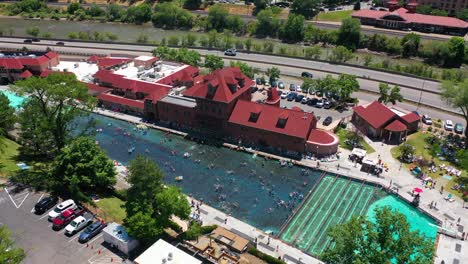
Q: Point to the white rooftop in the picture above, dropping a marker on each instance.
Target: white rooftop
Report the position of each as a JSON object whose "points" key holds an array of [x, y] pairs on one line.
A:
{"points": [[159, 71], [163, 252], [144, 58], [83, 70], [117, 231]]}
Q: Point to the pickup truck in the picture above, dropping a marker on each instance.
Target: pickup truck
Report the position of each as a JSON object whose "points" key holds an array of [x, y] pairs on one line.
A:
{"points": [[78, 223], [66, 217]]}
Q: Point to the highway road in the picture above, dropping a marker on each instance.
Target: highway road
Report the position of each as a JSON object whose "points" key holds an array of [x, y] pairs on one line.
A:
{"points": [[410, 87]]}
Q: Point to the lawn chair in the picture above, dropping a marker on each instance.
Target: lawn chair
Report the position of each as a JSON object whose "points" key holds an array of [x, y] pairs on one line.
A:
{"points": [[449, 198]]}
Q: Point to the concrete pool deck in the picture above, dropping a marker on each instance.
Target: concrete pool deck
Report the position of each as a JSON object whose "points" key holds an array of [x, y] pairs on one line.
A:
{"points": [[448, 249]]}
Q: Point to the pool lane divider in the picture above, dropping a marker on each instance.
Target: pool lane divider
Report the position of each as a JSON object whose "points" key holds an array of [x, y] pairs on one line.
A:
{"points": [[319, 202], [300, 205], [327, 216]]}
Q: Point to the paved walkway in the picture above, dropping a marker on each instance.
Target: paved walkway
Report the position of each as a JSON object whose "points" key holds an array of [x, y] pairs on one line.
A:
{"points": [[448, 249]]}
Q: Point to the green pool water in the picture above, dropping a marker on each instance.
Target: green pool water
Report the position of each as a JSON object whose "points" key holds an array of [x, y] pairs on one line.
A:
{"points": [[418, 221], [15, 100]]}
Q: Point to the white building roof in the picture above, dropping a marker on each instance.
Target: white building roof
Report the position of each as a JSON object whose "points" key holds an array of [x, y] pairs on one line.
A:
{"points": [[161, 250], [144, 58]]}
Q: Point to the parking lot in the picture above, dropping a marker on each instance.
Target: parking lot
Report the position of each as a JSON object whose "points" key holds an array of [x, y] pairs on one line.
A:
{"points": [[34, 232], [320, 113]]}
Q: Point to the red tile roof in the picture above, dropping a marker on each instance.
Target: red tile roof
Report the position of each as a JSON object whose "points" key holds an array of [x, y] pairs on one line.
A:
{"points": [[220, 80], [413, 18], [297, 108], [298, 124], [186, 74], [11, 63], [121, 100], [34, 61], [273, 96], [322, 137], [51, 55], [396, 126], [97, 88], [25, 74], [411, 117], [376, 114], [110, 62]]}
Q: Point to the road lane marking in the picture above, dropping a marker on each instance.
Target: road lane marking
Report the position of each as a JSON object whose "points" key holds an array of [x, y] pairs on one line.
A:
{"points": [[11, 197], [75, 237], [23, 200]]}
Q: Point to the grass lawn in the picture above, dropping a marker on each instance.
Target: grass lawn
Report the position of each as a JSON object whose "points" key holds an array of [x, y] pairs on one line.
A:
{"points": [[344, 134], [7, 157], [417, 140], [111, 210], [335, 16]]}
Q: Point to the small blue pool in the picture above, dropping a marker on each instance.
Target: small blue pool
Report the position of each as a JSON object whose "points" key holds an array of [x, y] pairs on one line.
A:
{"points": [[15, 100]]}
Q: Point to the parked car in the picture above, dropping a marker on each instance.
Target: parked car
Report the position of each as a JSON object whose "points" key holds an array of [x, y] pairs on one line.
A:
{"points": [[78, 223], [292, 96], [281, 85], [318, 93], [254, 89], [427, 120], [230, 52], [312, 101], [304, 100], [274, 84], [448, 125], [328, 95], [292, 87], [266, 83], [60, 43], [319, 104], [27, 41], [299, 97], [311, 91], [298, 89], [68, 204], [458, 128], [45, 204], [36, 40], [327, 121], [284, 94], [307, 75], [66, 217], [258, 81], [91, 231], [327, 104]]}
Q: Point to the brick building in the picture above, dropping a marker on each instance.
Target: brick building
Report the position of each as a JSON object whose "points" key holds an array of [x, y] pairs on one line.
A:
{"points": [[20, 65], [377, 121], [451, 6], [401, 18]]}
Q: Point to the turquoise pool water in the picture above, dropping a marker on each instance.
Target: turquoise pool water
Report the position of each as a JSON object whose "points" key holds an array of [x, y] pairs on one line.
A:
{"points": [[418, 221], [15, 100]]}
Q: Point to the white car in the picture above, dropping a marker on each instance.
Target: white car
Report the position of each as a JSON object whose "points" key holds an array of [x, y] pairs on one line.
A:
{"points": [[298, 89], [284, 94], [77, 224], [448, 125], [68, 204]]}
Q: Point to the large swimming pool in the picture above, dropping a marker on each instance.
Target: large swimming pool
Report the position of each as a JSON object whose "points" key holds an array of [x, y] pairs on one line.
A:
{"points": [[258, 191], [15, 100]]}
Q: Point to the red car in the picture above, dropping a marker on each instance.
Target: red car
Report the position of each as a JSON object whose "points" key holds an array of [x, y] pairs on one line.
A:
{"points": [[66, 217]]}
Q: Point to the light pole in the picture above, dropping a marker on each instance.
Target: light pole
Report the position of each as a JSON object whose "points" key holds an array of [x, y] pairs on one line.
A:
{"points": [[420, 95]]}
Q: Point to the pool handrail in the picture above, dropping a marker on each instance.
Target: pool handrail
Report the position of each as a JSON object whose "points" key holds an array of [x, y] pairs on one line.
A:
{"points": [[300, 227], [331, 210], [283, 227]]}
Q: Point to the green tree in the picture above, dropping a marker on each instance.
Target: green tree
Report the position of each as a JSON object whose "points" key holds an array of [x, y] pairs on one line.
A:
{"points": [[410, 43], [142, 38], [267, 23], [307, 85], [249, 71], [82, 168], [95, 11], [7, 114], [307, 8], [138, 14], [357, 5], [394, 46], [33, 31], [115, 12], [235, 24], [406, 150], [73, 35], [313, 52], [389, 95], [9, 253], [150, 204], [73, 7], [293, 29], [213, 62], [456, 48], [192, 4], [424, 9], [341, 54], [260, 5], [217, 18], [349, 34], [346, 86], [27, 6], [456, 95], [273, 73], [53, 105], [387, 240], [462, 14], [169, 15]]}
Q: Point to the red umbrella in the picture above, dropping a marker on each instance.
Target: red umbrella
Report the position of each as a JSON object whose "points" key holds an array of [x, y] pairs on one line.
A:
{"points": [[417, 190]]}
